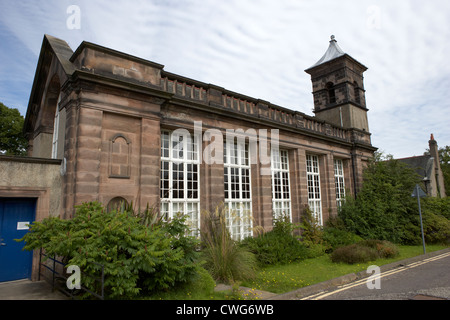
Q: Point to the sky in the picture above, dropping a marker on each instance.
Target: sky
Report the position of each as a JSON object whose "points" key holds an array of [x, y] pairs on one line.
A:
{"points": [[259, 48]]}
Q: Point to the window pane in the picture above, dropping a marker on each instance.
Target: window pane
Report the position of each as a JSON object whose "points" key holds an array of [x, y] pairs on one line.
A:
{"points": [[280, 184], [179, 185], [313, 178], [339, 181], [164, 179], [225, 179], [237, 187]]}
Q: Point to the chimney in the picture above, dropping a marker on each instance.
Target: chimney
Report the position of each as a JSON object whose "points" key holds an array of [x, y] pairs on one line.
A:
{"points": [[437, 165], [434, 149]]}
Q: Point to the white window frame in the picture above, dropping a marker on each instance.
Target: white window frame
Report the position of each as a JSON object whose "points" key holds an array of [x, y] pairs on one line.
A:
{"points": [[313, 187], [55, 137], [180, 157], [237, 189], [339, 181], [281, 189]]}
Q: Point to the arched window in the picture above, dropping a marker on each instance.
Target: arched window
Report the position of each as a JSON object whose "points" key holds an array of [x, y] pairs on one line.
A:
{"points": [[331, 93], [117, 204]]}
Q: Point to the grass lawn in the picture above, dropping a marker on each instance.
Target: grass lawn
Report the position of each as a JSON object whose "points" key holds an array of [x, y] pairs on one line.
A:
{"points": [[285, 278]]}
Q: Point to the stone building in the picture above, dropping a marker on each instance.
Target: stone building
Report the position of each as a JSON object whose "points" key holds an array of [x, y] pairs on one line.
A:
{"points": [[106, 126], [429, 169], [126, 129]]}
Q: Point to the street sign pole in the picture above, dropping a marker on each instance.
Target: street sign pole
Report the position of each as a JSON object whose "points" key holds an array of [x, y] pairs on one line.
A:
{"points": [[418, 192]]}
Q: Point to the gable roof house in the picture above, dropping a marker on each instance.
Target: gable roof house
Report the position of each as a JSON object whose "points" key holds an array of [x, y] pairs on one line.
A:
{"points": [[429, 168], [122, 128]]}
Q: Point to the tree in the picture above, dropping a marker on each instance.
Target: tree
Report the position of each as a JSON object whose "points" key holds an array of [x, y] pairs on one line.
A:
{"points": [[12, 139], [444, 158], [384, 208]]}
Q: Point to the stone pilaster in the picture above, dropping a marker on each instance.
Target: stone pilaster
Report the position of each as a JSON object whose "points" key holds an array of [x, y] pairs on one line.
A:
{"points": [[88, 155], [150, 162]]}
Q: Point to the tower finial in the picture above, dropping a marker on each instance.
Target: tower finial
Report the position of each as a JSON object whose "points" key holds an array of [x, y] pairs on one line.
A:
{"points": [[333, 38], [432, 137]]}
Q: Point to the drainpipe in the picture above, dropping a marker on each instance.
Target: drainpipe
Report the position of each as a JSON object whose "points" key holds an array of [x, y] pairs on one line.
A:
{"points": [[353, 154]]}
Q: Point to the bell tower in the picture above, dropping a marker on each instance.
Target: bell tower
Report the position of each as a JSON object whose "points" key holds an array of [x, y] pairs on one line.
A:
{"points": [[338, 89]]}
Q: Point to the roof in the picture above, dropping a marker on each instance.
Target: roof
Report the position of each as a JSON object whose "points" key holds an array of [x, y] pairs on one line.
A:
{"points": [[423, 165], [333, 52], [62, 51]]}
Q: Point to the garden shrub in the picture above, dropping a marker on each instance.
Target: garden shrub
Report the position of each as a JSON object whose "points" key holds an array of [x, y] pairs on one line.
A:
{"points": [[436, 228], [279, 246], [135, 257], [385, 249], [364, 251], [202, 282], [224, 258], [336, 237], [311, 231], [353, 253], [439, 206], [312, 235], [199, 287], [384, 208], [436, 220]]}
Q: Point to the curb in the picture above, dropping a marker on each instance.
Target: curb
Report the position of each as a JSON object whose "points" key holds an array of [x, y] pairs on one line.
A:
{"points": [[323, 286]]}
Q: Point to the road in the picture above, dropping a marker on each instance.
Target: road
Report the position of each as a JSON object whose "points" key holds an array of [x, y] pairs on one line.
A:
{"points": [[422, 280]]}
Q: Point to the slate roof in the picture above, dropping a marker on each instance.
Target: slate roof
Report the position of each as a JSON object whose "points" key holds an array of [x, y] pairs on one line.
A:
{"points": [[423, 165]]}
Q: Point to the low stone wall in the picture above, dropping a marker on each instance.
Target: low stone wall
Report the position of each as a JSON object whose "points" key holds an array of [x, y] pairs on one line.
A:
{"points": [[24, 177]]}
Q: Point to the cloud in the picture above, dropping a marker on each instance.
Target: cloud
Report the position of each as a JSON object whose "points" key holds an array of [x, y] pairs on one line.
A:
{"points": [[261, 49]]}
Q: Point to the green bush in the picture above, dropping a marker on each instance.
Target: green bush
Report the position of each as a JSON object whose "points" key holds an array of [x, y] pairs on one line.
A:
{"points": [[385, 249], [135, 257], [278, 246], [199, 287], [364, 251], [439, 206], [384, 208], [337, 237], [436, 228], [202, 282], [311, 231], [353, 253], [436, 223], [224, 258]]}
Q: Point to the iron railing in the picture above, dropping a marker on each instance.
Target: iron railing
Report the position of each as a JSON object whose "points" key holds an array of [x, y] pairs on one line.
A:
{"points": [[59, 277]]}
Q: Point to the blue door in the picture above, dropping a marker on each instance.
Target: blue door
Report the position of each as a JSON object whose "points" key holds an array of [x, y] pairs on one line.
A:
{"points": [[15, 214]]}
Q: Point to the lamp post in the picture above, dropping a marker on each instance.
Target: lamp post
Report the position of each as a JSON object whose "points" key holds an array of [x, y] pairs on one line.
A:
{"points": [[419, 193]]}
